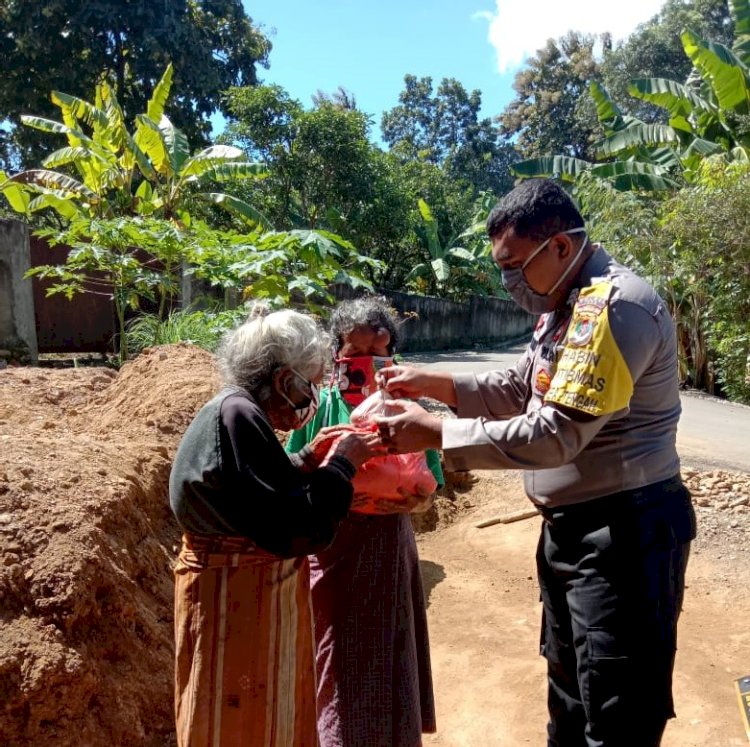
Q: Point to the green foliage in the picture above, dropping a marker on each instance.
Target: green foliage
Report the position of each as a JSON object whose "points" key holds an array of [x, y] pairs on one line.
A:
{"points": [[707, 119], [137, 261], [282, 268], [325, 174], [150, 172], [131, 260], [319, 161], [212, 44], [203, 328], [693, 246], [452, 270], [655, 50], [551, 113], [706, 230], [445, 129]]}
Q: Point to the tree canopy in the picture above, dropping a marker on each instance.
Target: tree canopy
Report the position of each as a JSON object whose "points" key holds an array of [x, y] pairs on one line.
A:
{"points": [[444, 128], [550, 113], [67, 45], [655, 50]]}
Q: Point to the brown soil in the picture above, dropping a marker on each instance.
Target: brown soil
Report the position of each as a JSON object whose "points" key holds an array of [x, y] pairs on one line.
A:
{"points": [[87, 543], [484, 616]]}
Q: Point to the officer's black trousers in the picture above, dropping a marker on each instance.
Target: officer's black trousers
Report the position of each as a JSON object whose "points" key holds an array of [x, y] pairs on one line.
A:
{"points": [[612, 575]]}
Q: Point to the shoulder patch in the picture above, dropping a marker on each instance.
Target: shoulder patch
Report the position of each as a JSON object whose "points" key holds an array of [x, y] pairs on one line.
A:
{"points": [[591, 374]]}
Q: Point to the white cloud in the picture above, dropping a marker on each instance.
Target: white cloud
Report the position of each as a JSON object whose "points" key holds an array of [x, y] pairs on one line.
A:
{"points": [[518, 28]]}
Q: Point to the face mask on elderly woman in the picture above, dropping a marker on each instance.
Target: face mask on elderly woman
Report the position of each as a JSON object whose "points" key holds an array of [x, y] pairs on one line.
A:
{"points": [[305, 411], [355, 375]]}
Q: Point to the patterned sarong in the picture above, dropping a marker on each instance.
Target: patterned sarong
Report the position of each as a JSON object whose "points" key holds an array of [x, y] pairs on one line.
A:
{"points": [[373, 658], [244, 672]]}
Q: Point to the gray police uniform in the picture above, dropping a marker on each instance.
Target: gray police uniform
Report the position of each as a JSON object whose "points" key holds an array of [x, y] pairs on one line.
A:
{"points": [[590, 413]]}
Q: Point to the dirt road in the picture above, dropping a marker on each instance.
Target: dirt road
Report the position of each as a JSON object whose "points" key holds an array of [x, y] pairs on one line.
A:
{"points": [[484, 627], [88, 542]]}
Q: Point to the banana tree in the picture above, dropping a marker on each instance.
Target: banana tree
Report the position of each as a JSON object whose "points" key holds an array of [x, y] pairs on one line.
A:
{"points": [[448, 267], [150, 173], [707, 117]]}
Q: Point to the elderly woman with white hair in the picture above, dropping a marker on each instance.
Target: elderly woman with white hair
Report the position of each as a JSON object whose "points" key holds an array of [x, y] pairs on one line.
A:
{"points": [[250, 513]]}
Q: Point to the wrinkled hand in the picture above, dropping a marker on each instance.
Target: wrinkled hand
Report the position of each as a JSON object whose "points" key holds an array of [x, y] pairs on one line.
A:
{"points": [[357, 446], [410, 429], [325, 438]]}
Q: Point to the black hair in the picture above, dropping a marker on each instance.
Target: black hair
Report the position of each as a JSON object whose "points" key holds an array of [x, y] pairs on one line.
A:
{"points": [[369, 311], [535, 209]]}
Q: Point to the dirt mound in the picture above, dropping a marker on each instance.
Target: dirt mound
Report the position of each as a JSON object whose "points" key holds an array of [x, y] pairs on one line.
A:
{"points": [[452, 500], [87, 542]]}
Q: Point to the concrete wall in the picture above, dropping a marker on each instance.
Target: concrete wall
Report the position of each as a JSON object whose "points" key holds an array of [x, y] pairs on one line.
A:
{"points": [[17, 324], [437, 324]]}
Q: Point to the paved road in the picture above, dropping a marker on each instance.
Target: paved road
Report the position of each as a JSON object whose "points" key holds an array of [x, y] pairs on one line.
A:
{"points": [[712, 433]]}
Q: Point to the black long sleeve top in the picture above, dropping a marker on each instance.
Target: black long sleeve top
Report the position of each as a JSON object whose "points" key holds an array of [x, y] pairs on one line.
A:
{"points": [[232, 477]]}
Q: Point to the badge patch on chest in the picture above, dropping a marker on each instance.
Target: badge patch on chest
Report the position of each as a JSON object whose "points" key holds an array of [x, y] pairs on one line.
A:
{"points": [[591, 374], [542, 381]]}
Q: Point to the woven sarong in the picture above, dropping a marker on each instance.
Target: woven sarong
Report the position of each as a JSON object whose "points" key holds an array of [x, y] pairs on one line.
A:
{"points": [[373, 658], [244, 672]]}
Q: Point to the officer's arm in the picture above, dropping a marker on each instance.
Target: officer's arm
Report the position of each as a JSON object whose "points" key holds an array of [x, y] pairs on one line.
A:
{"points": [[593, 384], [495, 394]]}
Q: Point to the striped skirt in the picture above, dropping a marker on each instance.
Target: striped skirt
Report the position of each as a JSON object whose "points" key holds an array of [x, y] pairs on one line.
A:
{"points": [[373, 653], [244, 674]]}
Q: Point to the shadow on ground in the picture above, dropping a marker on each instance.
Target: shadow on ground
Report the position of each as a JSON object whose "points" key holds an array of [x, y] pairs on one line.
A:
{"points": [[432, 575]]}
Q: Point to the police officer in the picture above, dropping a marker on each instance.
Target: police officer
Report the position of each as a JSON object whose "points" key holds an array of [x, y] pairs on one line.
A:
{"points": [[590, 414]]}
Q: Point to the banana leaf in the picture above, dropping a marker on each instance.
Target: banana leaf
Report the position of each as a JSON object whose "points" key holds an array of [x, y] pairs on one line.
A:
{"points": [[17, 197], [641, 135], [158, 100], [726, 73], [675, 97], [557, 167], [239, 207], [431, 230], [740, 12]]}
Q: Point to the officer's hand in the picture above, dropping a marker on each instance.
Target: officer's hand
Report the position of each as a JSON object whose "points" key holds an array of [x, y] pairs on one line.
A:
{"points": [[412, 383], [410, 429], [403, 381]]}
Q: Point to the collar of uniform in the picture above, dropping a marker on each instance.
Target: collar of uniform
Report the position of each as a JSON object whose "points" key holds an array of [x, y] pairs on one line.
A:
{"points": [[592, 267]]}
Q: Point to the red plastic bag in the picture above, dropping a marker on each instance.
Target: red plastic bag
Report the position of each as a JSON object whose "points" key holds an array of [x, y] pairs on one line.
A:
{"points": [[396, 483]]}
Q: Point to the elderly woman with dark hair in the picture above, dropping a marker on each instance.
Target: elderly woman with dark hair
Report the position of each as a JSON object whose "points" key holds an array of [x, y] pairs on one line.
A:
{"points": [[373, 656], [250, 515]]}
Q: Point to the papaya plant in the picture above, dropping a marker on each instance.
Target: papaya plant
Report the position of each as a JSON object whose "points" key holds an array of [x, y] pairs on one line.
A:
{"points": [[281, 268], [131, 260]]}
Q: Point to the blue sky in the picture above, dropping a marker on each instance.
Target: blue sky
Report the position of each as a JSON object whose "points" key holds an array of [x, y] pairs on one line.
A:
{"points": [[368, 47]]}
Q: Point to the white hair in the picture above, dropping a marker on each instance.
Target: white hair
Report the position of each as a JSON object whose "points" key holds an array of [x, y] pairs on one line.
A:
{"points": [[250, 353]]}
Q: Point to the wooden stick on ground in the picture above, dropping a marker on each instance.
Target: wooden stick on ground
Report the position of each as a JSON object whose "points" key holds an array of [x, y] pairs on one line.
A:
{"points": [[525, 513]]}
